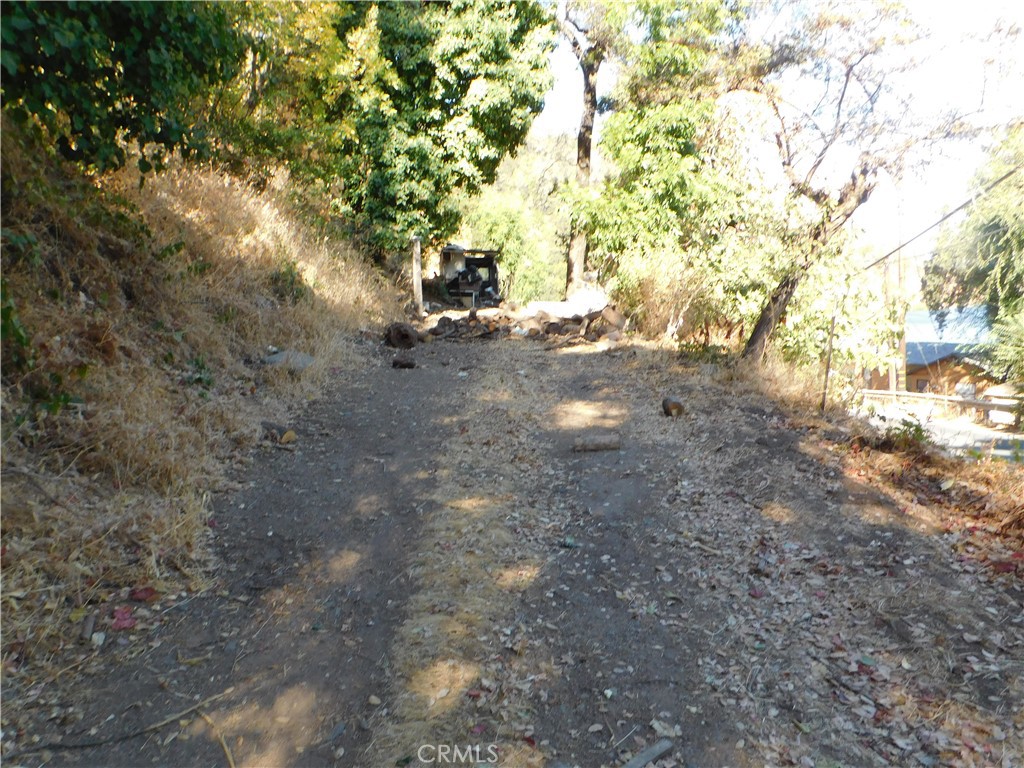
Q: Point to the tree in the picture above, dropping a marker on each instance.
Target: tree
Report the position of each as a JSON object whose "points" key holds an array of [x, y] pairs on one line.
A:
{"points": [[828, 86], [94, 74], [982, 260], [590, 30], [395, 107], [521, 215], [651, 135]]}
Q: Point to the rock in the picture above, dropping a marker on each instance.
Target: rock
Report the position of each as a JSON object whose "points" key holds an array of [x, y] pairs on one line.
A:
{"points": [[273, 432], [403, 361], [581, 303], [673, 407], [401, 335], [296, 362], [445, 325], [532, 325], [88, 625], [613, 317]]}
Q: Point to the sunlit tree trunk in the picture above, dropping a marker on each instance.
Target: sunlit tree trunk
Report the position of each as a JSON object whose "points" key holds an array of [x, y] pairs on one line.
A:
{"points": [[576, 262], [581, 26], [835, 214]]}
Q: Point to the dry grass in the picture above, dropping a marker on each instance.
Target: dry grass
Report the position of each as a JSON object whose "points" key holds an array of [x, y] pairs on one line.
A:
{"points": [[147, 313], [954, 493]]}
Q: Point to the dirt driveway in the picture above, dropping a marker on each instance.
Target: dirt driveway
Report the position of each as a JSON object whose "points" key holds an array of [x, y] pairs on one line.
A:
{"points": [[433, 576]]}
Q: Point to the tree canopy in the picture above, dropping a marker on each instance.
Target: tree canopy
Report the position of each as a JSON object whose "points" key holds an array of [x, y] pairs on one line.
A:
{"points": [[97, 73], [393, 107], [981, 261]]}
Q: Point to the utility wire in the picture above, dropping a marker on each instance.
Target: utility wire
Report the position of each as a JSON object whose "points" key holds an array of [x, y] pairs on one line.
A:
{"points": [[956, 210]]}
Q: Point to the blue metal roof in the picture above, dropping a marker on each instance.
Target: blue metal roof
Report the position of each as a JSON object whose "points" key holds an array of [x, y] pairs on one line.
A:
{"points": [[927, 353]]}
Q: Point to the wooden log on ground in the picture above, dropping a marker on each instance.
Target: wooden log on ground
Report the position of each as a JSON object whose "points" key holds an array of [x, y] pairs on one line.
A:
{"points": [[649, 755], [605, 442]]}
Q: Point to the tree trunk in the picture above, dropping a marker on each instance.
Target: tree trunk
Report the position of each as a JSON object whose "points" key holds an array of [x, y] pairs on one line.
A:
{"points": [[771, 316], [576, 259], [853, 194]]}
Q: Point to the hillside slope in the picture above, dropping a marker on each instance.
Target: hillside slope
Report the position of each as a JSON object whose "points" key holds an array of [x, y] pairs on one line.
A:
{"points": [[136, 322]]}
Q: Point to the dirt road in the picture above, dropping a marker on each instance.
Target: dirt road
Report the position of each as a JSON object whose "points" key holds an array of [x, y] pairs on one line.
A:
{"points": [[433, 576]]}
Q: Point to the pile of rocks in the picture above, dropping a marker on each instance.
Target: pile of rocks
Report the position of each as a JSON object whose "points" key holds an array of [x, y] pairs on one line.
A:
{"points": [[532, 323]]}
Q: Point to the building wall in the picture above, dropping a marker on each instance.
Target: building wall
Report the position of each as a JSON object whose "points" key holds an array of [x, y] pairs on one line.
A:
{"points": [[948, 377], [879, 379]]}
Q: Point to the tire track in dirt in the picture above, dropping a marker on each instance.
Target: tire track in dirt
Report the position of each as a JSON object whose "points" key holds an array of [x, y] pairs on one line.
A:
{"points": [[298, 628]]}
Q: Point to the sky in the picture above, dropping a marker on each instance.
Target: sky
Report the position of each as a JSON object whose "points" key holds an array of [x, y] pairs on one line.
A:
{"points": [[956, 70]]}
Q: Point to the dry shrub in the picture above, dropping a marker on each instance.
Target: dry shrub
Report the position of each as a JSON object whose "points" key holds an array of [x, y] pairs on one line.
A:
{"points": [[983, 497], [666, 298], [147, 312], [900, 462], [796, 387]]}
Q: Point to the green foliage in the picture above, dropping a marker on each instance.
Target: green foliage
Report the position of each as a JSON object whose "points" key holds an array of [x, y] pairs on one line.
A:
{"points": [[287, 284], [198, 267], [393, 108], [1007, 348], [651, 223], [522, 214], [909, 435], [528, 270], [169, 250], [982, 260], [199, 373], [94, 73], [670, 63], [21, 247], [47, 393], [43, 390], [17, 344]]}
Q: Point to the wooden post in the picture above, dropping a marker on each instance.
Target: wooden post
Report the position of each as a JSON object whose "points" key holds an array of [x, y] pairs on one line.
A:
{"points": [[828, 363], [828, 356], [417, 277]]}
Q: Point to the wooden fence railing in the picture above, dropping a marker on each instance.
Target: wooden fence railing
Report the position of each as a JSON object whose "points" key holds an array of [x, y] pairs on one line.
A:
{"points": [[1007, 404]]}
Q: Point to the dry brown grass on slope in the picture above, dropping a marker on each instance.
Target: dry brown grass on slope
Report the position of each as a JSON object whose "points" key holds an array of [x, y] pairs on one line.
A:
{"points": [[154, 333]]}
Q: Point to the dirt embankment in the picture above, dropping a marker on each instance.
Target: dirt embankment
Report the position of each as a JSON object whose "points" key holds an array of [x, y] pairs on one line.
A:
{"points": [[431, 570]]}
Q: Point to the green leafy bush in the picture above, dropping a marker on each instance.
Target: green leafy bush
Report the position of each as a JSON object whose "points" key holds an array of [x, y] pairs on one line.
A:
{"points": [[94, 72]]}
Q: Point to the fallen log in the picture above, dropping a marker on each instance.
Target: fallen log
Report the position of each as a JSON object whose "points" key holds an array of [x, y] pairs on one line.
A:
{"points": [[605, 442]]}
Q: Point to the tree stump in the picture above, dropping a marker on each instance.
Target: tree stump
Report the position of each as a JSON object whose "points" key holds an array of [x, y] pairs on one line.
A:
{"points": [[401, 335]]}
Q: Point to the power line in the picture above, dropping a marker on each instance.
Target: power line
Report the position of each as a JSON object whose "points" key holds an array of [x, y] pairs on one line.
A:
{"points": [[956, 210]]}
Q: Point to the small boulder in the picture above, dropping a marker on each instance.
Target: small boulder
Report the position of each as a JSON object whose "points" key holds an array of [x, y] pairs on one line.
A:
{"points": [[403, 360], [613, 317], [296, 362]]}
